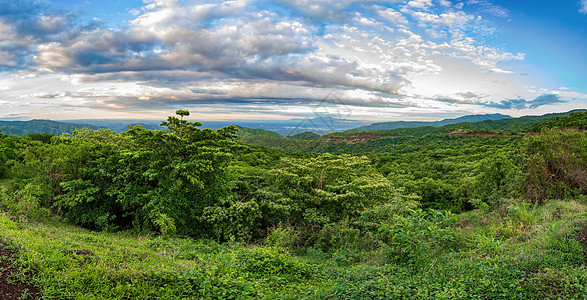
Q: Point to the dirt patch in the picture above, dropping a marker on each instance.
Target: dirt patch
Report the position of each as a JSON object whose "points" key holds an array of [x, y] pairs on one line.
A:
{"points": [[365, 136], [10, 288], [483, 134], [582, 237]]}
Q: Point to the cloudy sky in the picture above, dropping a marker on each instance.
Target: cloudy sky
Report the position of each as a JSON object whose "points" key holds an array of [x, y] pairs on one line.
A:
{"points": [[280, 59]]}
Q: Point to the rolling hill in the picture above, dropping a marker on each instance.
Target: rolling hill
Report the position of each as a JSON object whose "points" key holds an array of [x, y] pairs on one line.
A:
{"points": [[23, 128], [407, 124]]}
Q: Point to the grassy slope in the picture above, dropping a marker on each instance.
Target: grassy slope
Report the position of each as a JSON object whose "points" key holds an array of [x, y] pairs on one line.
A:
{"points": [[518, 251]]}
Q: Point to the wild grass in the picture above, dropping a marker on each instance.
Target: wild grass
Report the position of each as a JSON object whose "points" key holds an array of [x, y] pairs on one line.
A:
{"points": [[517, 251]]}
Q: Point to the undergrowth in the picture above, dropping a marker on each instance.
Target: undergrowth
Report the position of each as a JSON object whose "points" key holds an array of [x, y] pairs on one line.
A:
{"points": [[517, 250]]}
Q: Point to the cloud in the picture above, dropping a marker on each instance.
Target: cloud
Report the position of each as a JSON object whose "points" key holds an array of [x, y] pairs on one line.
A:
{"points": [[392, 15], [447, 19], [486, 6], [520, 103], [319, 11], [220, 40], [420, 3], [583, 6], [468, 97], [293, 53]]}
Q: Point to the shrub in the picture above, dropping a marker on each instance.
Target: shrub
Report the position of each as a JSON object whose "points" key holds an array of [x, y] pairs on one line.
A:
{"points": [[557, 165]]}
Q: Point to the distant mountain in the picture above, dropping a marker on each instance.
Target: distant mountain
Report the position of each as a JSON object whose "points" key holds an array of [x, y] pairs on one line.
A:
{"points": [[23, 128], [408, 124], [318, 124], [362, 141], [509, 125], [120, 125]]}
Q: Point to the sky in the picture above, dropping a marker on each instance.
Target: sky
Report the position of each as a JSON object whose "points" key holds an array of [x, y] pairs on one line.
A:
{"points": [[277, 60]]}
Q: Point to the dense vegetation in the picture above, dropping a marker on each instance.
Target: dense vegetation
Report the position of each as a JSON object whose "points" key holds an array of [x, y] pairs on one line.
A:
{"points": [[23, 128], [431, 212]]}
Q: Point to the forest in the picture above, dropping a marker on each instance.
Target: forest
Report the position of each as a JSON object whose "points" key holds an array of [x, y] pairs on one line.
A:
{"points": [[487, 210]]}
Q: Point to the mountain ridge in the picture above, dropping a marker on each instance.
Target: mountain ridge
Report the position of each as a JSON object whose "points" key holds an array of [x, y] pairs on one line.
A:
{"points": [[414, 124]]}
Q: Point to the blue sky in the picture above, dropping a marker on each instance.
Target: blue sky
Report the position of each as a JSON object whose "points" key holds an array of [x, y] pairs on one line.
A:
{"points": [[280, 59]]}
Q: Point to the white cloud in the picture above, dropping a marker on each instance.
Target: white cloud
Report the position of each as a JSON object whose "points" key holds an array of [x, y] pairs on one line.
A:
{"points": [[366, 21], [247, 54], [446, 19], [392, 15], [420, 3], [445, 3], [490, 8], [583, 6], [13, 47]]}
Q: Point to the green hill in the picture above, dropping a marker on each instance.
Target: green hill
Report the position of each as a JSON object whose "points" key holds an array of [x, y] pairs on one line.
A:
{"points": [[360, 141], [305, 136], [245, 133], [414, 124], [577, 120], [23, 128], [188, 213]]}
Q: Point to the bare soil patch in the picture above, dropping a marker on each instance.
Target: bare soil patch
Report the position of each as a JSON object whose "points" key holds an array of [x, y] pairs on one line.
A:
{"points": [[9, 287], [365, 136], [582, 237]]}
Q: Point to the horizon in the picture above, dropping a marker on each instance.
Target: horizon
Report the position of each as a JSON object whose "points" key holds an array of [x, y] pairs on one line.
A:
{"points": [[255, 60], [275, 121], [28, 118]]}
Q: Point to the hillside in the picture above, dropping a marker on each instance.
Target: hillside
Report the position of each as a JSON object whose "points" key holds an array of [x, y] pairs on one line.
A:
{"points": [[577, 120], [23, 128], [305, 136], [361, 141], [244, 133], [189, 213], [119, 125], [407, 124]]}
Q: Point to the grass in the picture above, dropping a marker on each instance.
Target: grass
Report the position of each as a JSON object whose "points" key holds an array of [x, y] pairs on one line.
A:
{"points": [[516, 251]]}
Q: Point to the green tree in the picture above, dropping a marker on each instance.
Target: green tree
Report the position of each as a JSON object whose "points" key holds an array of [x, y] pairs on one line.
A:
{"points": [[152, 179]]}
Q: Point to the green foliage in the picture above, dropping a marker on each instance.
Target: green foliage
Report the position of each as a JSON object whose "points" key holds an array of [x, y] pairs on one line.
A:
{"points": [[24, 128], [8, 152], [576, 120], [329, 188], [305, 136], [244, 133], [557, 164], [417, 237], [148, 179], [300, 192], [165, 224], [22, 203], [413, 213], [423, 255]]}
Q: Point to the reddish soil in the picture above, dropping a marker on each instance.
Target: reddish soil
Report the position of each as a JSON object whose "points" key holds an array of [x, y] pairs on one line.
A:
{"points": [[364, 136], [582, 237], [478, 134], [9, 288]]}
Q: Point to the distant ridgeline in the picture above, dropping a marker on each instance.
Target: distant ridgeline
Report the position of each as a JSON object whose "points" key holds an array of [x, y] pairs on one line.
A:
{"points": [[577, 120], [361, 140], [310, 141], [23, 128], [490, 122], [407, 124]]}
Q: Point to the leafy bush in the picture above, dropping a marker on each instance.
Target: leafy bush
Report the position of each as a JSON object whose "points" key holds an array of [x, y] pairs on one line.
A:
{"points": [[557, 165], [415, 238], [136, 178]]}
